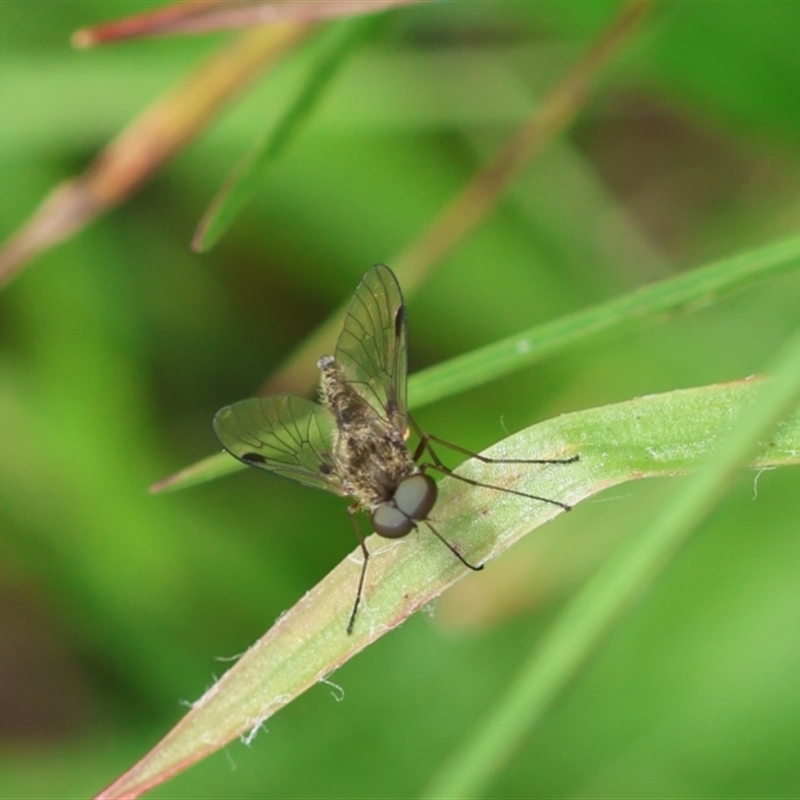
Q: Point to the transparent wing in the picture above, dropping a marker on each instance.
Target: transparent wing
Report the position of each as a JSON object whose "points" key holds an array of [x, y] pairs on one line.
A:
{"points": [[285, 434], [371, 349]]}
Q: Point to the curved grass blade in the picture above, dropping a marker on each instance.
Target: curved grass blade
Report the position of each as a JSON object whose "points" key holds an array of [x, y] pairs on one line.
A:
{"points": [[700, 287], [605, 598], [202, 16], [249, 173], [483, 191], [688, 292], [141, 149], [207, 469], [672, 434]]}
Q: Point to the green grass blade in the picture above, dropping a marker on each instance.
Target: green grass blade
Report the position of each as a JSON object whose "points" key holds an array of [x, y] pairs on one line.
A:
{"points": [[250, 172], [630, 571], [207, 469], [703, 286], [649, 436]]}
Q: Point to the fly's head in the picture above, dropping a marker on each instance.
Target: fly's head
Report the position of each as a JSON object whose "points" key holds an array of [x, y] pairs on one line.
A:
{"points": [[412, 501]]}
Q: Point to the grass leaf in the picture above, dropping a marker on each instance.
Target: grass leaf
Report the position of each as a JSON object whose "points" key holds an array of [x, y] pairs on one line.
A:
{"points": [[250, 172], [631, 570], [658, 435], [704, 286]]}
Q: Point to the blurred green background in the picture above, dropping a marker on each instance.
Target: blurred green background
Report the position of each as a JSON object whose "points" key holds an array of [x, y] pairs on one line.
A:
{"points": [[116, 349]]}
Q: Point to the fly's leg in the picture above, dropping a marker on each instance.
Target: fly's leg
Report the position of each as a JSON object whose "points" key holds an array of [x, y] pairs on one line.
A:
{"points": [[429, 437], [424, 446], [452, 549], [352, 510]]}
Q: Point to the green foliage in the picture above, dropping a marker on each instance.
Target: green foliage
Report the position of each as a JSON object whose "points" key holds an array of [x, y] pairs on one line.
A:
{"points": [[117, 348], [253, 170]]}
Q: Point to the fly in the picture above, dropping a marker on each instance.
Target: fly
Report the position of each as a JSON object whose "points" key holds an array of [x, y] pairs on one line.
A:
{"points": [[354, 441]]}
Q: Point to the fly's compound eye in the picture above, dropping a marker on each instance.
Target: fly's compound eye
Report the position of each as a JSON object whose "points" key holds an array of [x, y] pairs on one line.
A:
{"points": [[413, 499], [390, 521], [415, 496]]}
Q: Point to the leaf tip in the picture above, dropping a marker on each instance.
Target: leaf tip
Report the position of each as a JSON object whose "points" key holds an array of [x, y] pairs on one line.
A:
{"points": [[201, 243], [83, 38]]}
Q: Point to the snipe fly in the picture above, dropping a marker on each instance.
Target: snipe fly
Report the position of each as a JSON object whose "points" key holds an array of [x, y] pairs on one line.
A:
{"points": [[354, 442]]}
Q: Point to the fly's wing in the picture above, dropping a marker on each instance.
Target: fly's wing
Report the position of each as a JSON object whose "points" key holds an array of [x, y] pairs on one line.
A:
{"points": [[371, 349], [285, 434]]}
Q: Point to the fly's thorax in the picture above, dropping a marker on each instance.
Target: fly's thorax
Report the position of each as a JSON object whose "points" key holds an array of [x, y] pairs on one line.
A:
{"points": [[374, 462]]}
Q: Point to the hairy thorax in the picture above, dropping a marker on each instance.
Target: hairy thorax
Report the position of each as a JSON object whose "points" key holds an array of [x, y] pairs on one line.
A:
{"points": [[371, 454]]}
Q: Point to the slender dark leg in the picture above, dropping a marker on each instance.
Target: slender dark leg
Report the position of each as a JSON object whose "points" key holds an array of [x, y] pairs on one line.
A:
{"points": [[452, 549], [429, 437], [424, 446], [447, 471], [352, 622]]}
